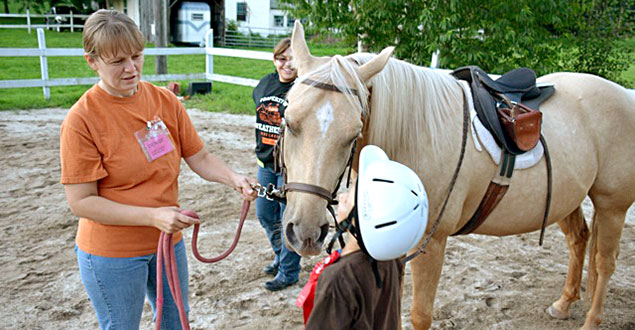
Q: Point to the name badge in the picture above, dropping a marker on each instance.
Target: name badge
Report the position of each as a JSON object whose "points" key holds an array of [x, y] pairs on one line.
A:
{"points": [[154, 139]]}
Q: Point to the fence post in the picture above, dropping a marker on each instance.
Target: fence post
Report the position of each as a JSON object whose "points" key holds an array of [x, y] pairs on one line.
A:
{"points": [[41, 42], [434, 61], [72, 27], [209, 58], [28, 20]]}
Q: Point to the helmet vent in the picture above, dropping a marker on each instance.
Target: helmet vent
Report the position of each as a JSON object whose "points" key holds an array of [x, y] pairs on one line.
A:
{"points": [[416, 206], [383, 180], [386, 224], [414, 193]]}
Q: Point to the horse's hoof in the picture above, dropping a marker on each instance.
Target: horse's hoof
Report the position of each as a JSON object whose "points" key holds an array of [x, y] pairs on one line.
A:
{"points": [[555, 313]]}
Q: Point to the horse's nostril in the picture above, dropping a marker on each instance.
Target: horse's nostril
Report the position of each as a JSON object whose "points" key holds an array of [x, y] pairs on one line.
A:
{"points": [[324, 231], [290, 234]]}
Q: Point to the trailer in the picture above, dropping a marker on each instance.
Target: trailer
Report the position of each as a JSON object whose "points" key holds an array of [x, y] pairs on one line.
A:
{"points": [[193, 21]]}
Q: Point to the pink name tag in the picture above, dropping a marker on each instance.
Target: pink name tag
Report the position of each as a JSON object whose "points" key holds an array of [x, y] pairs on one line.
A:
{"points": [[158, 146]]}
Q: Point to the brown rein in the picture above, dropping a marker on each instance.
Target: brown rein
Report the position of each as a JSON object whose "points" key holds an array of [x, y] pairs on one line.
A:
{"points": [[421, 248], [166, 256]]}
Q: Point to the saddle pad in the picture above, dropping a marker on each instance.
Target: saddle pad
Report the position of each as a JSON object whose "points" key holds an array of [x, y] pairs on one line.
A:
{"points": [[480, 135]]}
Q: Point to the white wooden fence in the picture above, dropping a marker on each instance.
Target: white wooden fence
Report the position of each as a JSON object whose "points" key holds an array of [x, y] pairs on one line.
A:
{"points": [[47, 17], [42, 52]]}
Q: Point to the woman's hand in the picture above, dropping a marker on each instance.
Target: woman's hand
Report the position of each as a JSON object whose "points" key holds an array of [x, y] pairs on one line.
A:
{"points": [[243, 185], [169, 220]]}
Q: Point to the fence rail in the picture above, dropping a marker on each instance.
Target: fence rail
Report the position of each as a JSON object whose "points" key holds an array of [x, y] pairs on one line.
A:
{"points": [[209, 51], [47, 17], [253, 37]]}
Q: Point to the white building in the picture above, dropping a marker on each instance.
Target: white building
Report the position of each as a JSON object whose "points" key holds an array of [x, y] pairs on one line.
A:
{"points": [[261, 16]]}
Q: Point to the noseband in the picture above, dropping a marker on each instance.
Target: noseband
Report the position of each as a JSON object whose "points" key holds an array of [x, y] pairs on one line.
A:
{"points": [[271, 192], [311, 188]]}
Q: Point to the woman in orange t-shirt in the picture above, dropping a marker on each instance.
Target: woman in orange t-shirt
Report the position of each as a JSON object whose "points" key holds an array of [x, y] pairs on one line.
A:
{"points": [[121, 146]]}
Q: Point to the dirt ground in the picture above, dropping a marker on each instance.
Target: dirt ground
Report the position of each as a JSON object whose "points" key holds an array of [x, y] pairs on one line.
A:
{"points": [[487, 282]]}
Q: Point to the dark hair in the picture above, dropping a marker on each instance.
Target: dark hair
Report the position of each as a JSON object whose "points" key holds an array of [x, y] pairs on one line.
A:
{"points": [[281, 47]]}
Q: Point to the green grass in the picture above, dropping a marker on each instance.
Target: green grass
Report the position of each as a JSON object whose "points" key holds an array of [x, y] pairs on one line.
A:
{"points": [[629, 74], [224, 97]]}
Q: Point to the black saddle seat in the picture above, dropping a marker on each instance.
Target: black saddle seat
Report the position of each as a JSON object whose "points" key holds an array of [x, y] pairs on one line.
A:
{"points": [[517, 85]]}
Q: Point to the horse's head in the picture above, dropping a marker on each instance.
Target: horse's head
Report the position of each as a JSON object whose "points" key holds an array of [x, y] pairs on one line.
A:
{"points": [[323, 120]]}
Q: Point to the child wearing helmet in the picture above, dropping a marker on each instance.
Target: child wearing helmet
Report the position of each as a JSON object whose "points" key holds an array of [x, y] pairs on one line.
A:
{"points": [[361, 287]]}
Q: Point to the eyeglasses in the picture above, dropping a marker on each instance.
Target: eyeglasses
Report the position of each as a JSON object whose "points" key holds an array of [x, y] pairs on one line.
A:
{"points": [[283, 59]]}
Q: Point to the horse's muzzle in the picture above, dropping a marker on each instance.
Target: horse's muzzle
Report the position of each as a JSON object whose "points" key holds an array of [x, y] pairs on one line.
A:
{"points": [[305, 241]]}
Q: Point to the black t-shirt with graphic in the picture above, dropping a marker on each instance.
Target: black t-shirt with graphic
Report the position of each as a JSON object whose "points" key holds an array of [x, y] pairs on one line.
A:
{"points": [[270, 98]]}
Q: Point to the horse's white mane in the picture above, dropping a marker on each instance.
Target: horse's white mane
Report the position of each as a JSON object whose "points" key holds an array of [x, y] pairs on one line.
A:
{"points": [[413, 104], [409, 100]]}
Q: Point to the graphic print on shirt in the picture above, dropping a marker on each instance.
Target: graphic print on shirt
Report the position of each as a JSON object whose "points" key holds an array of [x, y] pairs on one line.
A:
{"points": [[269, 118]]}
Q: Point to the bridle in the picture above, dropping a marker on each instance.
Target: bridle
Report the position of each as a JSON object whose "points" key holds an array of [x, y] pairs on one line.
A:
{"points": [[271, 192]]}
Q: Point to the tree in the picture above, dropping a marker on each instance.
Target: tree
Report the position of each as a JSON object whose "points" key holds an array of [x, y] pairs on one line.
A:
{"points": [[546, 36]]}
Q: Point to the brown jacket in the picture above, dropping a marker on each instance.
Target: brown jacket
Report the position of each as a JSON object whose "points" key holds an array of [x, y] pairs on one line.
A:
{"points": [[347, 296]]}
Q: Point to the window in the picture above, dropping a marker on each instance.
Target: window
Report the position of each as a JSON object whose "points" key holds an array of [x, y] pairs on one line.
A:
{"points": [[290, 21], [197, 17], [241, 11], [278, 20]]}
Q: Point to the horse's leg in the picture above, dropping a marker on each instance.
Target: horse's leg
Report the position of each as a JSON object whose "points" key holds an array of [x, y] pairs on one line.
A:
{"points": [[608, 223], [577, 235], [426, 271]]}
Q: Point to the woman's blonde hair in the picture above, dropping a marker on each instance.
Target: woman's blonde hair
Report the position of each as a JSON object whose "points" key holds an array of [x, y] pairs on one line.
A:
{"points": [[108, 32]]}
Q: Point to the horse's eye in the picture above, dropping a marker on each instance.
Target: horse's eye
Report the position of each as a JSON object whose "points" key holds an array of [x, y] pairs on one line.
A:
{"points": [[288, 128]]}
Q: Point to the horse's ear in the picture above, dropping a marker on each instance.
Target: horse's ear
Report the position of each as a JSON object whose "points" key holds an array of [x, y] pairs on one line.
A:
{"points": [[375, 65], [304, 61]]}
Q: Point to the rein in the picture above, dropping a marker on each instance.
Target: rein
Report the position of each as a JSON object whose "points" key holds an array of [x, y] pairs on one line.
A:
{"points": [[165, 254], [421, 248]]}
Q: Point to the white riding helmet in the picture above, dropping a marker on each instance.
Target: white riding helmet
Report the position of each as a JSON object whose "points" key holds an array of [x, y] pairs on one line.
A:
{"points": [[392, 205]]}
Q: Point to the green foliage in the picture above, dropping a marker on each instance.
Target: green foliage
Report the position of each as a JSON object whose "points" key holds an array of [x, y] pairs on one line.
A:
{"points": [[496, 35]]}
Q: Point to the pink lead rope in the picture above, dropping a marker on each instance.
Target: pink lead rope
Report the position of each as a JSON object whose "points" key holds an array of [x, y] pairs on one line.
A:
{"points": [[165, 252]]}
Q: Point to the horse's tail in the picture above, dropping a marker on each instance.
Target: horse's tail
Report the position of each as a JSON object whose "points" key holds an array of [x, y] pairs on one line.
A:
{"points": [[592, 273]]}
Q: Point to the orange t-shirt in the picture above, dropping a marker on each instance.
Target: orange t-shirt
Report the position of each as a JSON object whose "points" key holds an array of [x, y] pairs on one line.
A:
{"points": [[97, 143]]}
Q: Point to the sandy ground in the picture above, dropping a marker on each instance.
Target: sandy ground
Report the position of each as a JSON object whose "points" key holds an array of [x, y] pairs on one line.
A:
{"points": [[487, 282]]}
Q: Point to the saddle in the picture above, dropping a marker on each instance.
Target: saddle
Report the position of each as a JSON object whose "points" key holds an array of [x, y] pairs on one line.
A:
{"points": [[508, 106]]}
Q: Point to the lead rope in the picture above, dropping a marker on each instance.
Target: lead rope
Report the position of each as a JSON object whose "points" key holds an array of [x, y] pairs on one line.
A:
{"points": [[421, 248], [165, 254]]}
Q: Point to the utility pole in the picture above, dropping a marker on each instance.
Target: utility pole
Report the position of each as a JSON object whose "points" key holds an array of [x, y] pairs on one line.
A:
{"points": [[161, 37]]}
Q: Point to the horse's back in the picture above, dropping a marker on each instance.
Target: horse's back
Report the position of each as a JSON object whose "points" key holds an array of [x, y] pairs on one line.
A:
{"points": [[602, 115]]}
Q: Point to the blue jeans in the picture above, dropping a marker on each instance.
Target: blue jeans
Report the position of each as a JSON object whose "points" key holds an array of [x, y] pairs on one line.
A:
{"points": [[270, 215], [117, 288]]}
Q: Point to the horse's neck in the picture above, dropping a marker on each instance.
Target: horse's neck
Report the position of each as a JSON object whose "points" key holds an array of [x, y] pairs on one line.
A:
{"points": [[429, 143], [422, 120]]}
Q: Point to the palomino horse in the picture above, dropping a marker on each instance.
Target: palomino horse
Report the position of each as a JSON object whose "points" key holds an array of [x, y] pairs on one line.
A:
{"points": [[415, 115]]}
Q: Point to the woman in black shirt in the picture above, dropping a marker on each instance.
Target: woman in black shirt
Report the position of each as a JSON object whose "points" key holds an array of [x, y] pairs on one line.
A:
{"points": [[270, 99]]}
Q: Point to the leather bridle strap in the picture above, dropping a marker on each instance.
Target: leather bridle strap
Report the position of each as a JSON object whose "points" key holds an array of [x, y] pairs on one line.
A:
{"points": [[311, 189], [330, 87], [422, 247]]}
